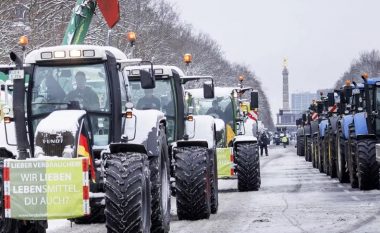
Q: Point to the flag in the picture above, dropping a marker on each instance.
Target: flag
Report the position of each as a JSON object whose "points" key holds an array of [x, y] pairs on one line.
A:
{"points": [[83, 150]]}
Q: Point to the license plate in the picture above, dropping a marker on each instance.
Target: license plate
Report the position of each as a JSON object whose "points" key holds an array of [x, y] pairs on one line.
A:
{"points": [[16, 74]]}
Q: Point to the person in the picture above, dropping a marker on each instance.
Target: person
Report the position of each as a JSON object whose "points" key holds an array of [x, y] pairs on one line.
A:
{"points": [[284, 140], [85, 95], [55, 93], [263, 142], [149, 101], [215, 110]]}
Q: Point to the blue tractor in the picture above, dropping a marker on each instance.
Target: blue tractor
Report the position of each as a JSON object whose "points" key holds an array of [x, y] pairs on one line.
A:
{"points": [[363, 132], [342, 132]]}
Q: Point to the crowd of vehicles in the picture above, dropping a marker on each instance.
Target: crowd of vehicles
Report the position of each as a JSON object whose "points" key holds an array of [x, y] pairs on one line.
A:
{"points": [[339, 132], [140, 131]]}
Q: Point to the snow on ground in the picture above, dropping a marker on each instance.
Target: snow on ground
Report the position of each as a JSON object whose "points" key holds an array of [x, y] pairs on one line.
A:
{"points": [[294, 197]]}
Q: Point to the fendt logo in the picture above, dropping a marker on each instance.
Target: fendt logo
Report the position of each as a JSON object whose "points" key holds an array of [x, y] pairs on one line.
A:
{"points": [[52, 138]]}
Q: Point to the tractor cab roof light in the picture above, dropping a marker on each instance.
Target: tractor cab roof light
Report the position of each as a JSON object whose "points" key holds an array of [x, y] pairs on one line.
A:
{"points": [[75, 53], [59, 54], [159, 71], [46, 55], [88, 53], [135, 72]]}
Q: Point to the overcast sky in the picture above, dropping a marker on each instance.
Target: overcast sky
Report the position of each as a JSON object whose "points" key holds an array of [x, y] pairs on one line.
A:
{"points": [[320, 38]]}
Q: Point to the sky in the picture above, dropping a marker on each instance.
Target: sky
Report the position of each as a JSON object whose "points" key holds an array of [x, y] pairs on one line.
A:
{"points": [[319, 38]]}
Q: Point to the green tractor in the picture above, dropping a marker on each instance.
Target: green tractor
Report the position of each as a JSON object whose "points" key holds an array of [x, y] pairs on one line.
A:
{"points": [[236, 130]]}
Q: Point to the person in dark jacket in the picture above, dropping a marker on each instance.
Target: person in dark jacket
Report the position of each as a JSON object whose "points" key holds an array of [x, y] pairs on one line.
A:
{"points": [[263, 142], [85, 95]]}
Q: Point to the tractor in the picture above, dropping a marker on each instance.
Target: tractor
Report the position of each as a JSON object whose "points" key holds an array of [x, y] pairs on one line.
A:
{"points": [[237, 131], [191, 138], [124, 146], [7, 131], [342, 132], [361, 157]]}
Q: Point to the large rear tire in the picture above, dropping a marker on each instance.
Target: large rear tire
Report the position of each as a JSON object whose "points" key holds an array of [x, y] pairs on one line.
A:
{"points": [[301, 146], [341, 161], [193, 189], [248, 167], [326, 153], [309, 149], [332, 156], [321, 154], [160, 181], [127, 193], [368, 169]]}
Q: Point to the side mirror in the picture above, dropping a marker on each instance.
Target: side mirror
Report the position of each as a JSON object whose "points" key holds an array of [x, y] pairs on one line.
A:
{"points": [[330, 99], [254, 99], [148, 80], [208, 90]]}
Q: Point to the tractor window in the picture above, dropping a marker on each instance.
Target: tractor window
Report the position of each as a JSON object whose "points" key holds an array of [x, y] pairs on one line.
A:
{"points": [[220, 108], [377, 98], [160, 98], [73, 87]]}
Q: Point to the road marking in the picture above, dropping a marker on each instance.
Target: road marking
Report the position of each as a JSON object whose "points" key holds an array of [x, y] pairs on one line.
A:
{"points": [[346, 191], [355, 198]]}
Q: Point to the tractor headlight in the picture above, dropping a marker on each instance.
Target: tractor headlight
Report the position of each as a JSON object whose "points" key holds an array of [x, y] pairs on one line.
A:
{"points": [[68, 152], [38, 152]]}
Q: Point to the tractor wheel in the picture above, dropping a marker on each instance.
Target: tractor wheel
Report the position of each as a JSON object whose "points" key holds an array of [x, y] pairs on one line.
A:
{"points": [[127, 193], [32, 227], [326, 153], [160, 188], [248, 167], [214, 183], [314, 152], [332, 157], [301, 146], [193, 189], [351, 163], [320, 155], [96, 215], [341, 161], [368, 169], [309, 149], [6, 225]]}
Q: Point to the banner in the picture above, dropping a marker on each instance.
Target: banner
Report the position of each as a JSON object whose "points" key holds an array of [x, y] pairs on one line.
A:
{"points": [[225, 164], [40, 189]]}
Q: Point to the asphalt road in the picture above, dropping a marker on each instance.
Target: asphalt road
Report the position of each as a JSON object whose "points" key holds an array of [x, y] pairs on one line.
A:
{"points": [[293, 197]]}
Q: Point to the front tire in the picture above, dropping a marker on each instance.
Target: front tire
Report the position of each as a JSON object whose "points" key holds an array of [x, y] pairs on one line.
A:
{"points": [[248, 167], [127, 193], [160, 181], [193, 189], [214, 183]]}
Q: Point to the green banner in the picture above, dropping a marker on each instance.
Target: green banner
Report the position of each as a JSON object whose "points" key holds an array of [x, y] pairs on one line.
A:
{"points": [[224, 162], [41, 189]]}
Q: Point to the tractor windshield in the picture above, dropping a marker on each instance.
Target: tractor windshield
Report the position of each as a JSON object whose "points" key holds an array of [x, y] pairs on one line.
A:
{"points": [[77, 86], [220, 107], [160, 98]]}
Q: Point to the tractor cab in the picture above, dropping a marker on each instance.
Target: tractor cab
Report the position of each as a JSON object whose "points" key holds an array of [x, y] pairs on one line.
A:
{"points": [[63, 102]]}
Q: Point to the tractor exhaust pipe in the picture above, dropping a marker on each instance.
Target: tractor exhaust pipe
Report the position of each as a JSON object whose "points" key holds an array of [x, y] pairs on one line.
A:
{"points": [[19, 111]]}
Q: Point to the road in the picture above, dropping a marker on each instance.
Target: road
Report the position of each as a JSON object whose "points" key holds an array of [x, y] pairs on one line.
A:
{"points": [[294, 197]]}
